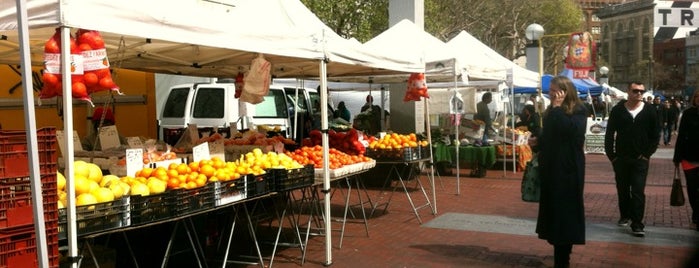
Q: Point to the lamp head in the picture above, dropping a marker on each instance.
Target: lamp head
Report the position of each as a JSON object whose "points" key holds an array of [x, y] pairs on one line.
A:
{"points": [[534, 31], [603, 70]]}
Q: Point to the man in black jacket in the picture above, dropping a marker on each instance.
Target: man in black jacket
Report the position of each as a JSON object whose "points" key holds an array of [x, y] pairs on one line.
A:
{"points": [[632, 136]]}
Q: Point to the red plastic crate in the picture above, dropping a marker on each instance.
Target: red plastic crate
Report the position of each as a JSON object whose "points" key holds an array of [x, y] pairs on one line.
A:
{"points": [[14, 156], [18, 247], [16, 201]]}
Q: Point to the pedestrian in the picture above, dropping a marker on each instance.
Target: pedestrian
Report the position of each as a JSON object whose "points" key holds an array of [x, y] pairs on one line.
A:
{"points": [[660, 113], [687, 153], [561, 219], [483, 114], [670, 121], [343, 112], [530, 119], [631, 137]]}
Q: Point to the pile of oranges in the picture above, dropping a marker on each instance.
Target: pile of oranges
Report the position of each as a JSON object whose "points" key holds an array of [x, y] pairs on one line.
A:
{"points": [[314, 156], [397, 141]]}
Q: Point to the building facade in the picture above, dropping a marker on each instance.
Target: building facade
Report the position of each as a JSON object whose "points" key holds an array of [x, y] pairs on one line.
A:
{"points": [[635, 50]]}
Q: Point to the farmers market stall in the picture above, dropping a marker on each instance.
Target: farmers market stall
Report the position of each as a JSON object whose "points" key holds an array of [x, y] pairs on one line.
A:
{"points": [[149, 38]]}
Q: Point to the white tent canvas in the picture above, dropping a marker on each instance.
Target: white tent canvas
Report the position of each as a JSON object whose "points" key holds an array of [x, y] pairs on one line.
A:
{"points": [[199, 38], [189, 37], [479, 56]]}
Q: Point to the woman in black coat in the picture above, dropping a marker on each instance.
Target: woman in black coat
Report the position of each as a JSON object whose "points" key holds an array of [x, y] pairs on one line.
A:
{"points": [[687, 153], [561, 220]]}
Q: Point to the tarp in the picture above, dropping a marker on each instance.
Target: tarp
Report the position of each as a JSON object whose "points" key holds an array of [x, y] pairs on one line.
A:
{"points": [[482, 62], [583, 85], [405, 39], [200, 38]]}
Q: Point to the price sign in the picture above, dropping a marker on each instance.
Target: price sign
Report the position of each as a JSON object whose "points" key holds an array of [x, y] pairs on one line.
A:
{"points": [[61, 137], [216, 149], [109, 137], [201, 152], [134, 142], [134, 161]]}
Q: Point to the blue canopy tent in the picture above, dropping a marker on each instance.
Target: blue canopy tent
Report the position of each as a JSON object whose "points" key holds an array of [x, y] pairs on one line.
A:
{"points": [[584, 85]]}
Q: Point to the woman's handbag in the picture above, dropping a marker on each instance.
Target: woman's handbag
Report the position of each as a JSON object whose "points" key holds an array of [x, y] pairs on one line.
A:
{"points": [[531, 183], [677, 194]]}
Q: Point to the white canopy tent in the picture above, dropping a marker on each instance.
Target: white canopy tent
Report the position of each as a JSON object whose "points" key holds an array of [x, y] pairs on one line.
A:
{"points": [[197, 38]]}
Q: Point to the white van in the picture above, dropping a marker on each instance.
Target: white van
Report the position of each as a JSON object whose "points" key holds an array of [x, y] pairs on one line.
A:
{"points": [[210, 105]]}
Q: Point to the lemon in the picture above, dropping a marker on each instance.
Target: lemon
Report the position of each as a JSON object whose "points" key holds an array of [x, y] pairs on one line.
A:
{"points": [[80, 168], [85, 199], [95, 172], [103, 195], [60, 181]]}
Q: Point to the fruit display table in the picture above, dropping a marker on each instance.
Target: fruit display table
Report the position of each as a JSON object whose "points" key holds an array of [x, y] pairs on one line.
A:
{"points": [[479, 157], [413, 168]]}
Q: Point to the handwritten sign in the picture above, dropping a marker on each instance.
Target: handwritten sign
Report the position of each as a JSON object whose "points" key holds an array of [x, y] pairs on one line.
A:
{"points": [[201, 152], [61, 137], [216, 149], [134, 161], [109, 137], [134, 142]]}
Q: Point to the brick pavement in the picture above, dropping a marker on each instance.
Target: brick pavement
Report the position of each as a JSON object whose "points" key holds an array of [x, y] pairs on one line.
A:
{"points": [[397, 240]]}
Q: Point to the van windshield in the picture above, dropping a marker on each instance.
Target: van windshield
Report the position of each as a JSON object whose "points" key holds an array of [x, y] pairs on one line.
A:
{"points": [[300, 103], [209, 103], [273, 106], [176, 103], [315, 99]]}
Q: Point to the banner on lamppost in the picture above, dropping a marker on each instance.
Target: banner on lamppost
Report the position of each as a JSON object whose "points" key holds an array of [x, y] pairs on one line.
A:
{"points": [[581, 54]]}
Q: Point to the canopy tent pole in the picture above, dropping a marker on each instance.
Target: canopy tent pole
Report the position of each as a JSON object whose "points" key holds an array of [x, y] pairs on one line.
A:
{"points": [[69, 156], [32, 144], [456, 138], [428, 127], [383, 109], [326, 159]]}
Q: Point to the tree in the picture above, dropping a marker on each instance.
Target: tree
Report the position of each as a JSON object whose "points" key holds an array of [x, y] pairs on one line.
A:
{"points": [[498, 24], [350, 18]]}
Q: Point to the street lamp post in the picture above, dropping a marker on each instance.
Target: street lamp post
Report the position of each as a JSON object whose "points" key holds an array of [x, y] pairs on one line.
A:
{"points": [[604, 79], [535, 32]]}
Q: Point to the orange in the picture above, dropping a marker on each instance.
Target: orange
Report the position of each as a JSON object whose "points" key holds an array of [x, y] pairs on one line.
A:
{"points": [[183, 169], [160, 173], [172, 173], [145, 172], [207, 170], [194, 166], [172, 166], [200, 182]]}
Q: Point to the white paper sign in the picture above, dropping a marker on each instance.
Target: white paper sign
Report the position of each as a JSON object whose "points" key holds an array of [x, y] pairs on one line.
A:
{"points": [[216, 149], [109, 137], [134, 161], [201, 152], [134, 142], [61, 137]]}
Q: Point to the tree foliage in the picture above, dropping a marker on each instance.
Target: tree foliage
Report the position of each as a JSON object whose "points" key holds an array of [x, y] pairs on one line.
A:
{"points": [[499, 24]]}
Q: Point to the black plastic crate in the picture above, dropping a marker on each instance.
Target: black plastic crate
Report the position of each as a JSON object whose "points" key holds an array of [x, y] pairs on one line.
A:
{"points": [[257, 185], [193, 200], [403, 154], [98, 217], [151, 208], [289, 179], [226, 192]]}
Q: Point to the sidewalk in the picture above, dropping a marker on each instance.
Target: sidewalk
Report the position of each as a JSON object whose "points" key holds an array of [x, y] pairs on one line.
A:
{"points": [[488, 225]]}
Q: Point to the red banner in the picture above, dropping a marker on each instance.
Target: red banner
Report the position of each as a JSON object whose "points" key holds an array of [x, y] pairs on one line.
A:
{"points": [[581, 52]]}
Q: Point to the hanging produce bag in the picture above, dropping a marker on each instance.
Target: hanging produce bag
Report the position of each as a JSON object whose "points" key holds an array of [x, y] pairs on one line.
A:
{"points": [[417, 87], [51, 77], [97, 76], [256, 81]]}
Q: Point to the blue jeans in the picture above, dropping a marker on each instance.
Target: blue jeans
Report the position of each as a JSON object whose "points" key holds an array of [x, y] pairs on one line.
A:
{"points": [[667, 132], [630, 175]]}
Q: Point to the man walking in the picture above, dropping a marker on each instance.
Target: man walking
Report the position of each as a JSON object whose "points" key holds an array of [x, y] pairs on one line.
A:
{"points": [[632, 136]]}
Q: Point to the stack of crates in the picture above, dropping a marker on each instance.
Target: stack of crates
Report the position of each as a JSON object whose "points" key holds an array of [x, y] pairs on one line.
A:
{"points": [[17, 235]]}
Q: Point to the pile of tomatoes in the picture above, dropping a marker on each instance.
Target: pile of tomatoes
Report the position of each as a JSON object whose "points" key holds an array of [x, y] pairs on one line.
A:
{"points": [[314, 156], [348, 142]]}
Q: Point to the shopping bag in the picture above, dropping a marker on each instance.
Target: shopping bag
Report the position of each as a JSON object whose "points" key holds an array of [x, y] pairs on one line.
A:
{"points": [[531, 183], [677, 194]]}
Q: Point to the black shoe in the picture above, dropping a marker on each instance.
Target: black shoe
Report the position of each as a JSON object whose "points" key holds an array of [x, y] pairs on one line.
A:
{"points": [[623, 222], [638, 231]]}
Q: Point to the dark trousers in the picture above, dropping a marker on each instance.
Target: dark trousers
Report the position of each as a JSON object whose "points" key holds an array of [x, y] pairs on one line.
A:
{"points": [[630, 176], [692, 178], [561, 256]]}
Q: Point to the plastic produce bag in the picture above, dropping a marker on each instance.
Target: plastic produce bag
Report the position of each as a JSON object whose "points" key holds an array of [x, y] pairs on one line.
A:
{"points": [[51, 77], [95, 62], [417, 87]]}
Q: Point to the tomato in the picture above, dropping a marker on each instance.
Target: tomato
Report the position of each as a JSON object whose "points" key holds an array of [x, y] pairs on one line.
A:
{"points": [[107, 82], [49, 78], [52, 46], [91, 79], [79, 90]]}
